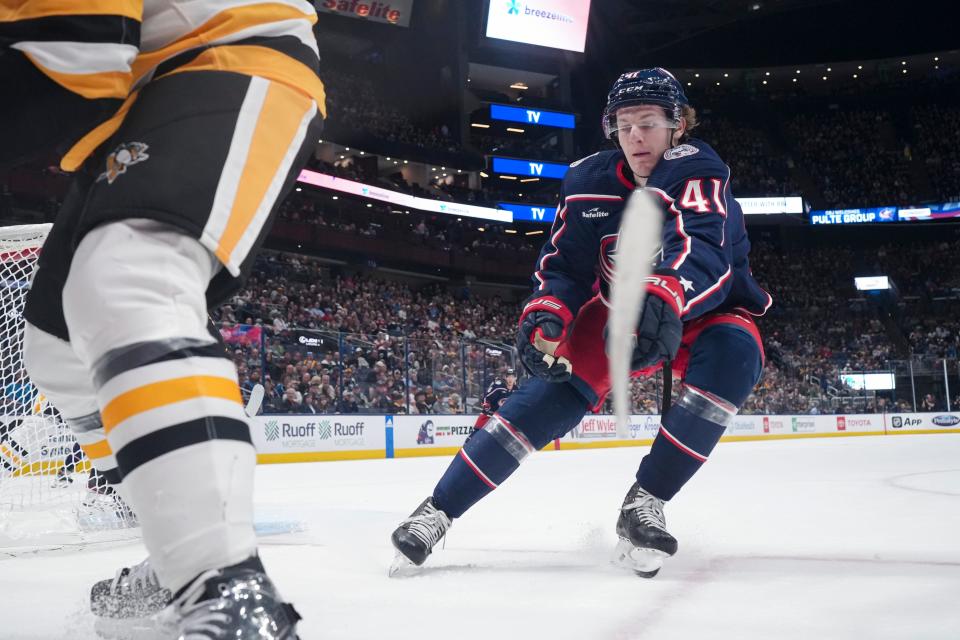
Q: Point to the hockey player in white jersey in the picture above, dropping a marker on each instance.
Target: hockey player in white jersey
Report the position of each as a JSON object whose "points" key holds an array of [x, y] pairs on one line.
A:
{"points": [[186, 124]]}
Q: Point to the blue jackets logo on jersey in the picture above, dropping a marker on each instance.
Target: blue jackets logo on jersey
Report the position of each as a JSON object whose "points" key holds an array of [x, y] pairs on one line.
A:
{"points": [[680, 152]]}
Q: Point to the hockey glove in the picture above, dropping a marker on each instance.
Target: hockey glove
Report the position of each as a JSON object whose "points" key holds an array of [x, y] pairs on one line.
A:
{"points": [[660, 328], [543, 326]]}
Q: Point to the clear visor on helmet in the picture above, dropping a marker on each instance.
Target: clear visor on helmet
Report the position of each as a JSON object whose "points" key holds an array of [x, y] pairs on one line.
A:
{"points": [[622, 121]]}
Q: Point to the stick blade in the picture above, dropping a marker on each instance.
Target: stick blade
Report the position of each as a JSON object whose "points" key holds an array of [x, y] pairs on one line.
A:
{"points": [[640, 237], [254, 401]]}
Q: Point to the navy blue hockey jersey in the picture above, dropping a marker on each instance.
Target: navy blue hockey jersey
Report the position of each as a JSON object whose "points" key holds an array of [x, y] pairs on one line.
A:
{"points": [[497, 394], [704, 238]]}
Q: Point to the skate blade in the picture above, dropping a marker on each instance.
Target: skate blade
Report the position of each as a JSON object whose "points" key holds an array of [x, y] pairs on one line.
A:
{"points": [[401, 566], [644, 562], [160, 626]]}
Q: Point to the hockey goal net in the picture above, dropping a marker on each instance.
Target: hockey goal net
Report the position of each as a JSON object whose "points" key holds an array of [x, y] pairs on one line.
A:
{"points": [[46, 500]]}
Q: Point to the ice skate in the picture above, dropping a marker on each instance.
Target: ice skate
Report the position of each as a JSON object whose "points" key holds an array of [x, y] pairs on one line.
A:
{"points": [[237, 602], [130, 605], [416, 536], [63, 479], [134, 592], [644, 540]]}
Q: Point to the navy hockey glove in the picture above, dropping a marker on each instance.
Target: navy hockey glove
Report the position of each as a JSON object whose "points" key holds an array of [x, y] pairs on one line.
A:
{"points": [[543, 326], [660, 328]]}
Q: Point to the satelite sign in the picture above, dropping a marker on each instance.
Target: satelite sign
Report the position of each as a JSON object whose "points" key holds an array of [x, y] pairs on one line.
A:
{"points": [[393, 12]]}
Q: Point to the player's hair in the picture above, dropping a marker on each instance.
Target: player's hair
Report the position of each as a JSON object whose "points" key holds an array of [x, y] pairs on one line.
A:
{"points": [[689, 114]]}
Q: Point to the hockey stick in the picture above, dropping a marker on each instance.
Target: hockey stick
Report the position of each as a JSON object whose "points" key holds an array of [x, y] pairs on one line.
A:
{"points": [[254, 401], [640, 236]]}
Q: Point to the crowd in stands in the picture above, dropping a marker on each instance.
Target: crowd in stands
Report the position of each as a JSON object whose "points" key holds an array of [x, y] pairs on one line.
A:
{"points": [[386, 346], [936, 147], [855, 156], [756, 169], [354, 105]]}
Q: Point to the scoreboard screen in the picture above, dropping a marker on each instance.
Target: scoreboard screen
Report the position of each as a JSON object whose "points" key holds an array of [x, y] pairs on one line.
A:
{"points": [[560, 24]]}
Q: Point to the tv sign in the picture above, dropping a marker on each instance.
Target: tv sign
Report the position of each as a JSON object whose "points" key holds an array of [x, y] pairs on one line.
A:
{"points": [[529, 213], [532, 116], [532, 168]]}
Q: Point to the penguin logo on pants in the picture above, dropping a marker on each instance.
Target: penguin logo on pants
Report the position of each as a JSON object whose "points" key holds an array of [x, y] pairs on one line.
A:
{"points": [[127, 154]]}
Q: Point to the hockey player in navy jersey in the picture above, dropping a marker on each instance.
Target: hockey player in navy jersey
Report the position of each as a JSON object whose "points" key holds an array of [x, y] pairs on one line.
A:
{"points": [[698, 315], [497, 393]]}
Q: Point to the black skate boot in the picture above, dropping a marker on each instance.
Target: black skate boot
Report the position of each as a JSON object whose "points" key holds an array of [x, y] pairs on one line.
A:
{"points": [[644, 541], [416, 536], [238, 602]]}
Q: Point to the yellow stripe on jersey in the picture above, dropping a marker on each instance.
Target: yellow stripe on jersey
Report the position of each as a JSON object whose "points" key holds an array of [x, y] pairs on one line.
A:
{"points": [[264, 62], [92, 86], [99, 449], [223, 25], [72, 160], [282, 112], [159, 394], [248, 60], [14, 10]]}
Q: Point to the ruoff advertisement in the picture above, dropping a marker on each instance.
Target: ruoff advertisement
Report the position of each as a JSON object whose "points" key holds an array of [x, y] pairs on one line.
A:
{"points": [[317, 433]]}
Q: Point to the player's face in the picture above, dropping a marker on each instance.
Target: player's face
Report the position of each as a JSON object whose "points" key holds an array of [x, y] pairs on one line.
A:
{"points": [[511, 380], [644, 134]]}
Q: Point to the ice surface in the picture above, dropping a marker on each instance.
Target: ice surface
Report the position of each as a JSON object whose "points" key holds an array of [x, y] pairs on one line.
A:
{"points": [[841, 538]]}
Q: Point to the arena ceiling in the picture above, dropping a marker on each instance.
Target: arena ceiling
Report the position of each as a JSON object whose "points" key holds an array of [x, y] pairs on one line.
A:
{"points": [[750, 33]]}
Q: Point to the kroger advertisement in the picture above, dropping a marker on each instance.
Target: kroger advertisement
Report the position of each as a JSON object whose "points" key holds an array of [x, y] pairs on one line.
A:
{"points": [[560, 24], [873, 215]]}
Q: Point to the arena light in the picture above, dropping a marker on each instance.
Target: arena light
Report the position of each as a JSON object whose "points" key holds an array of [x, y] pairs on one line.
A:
{"points": [[872, 283], [514, 130], [508, 177], [768, 73], [509, 230], [519, 85], [534, 233], [794, 79], [530, 180], [696, 75], [484, 174]]}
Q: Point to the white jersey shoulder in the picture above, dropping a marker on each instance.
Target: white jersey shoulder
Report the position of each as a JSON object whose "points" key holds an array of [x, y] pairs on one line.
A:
{"points": [[682, 151]]}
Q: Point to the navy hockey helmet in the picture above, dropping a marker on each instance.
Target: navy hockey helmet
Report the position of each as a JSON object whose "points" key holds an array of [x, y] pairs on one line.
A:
{"points": [[655, 86]]}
